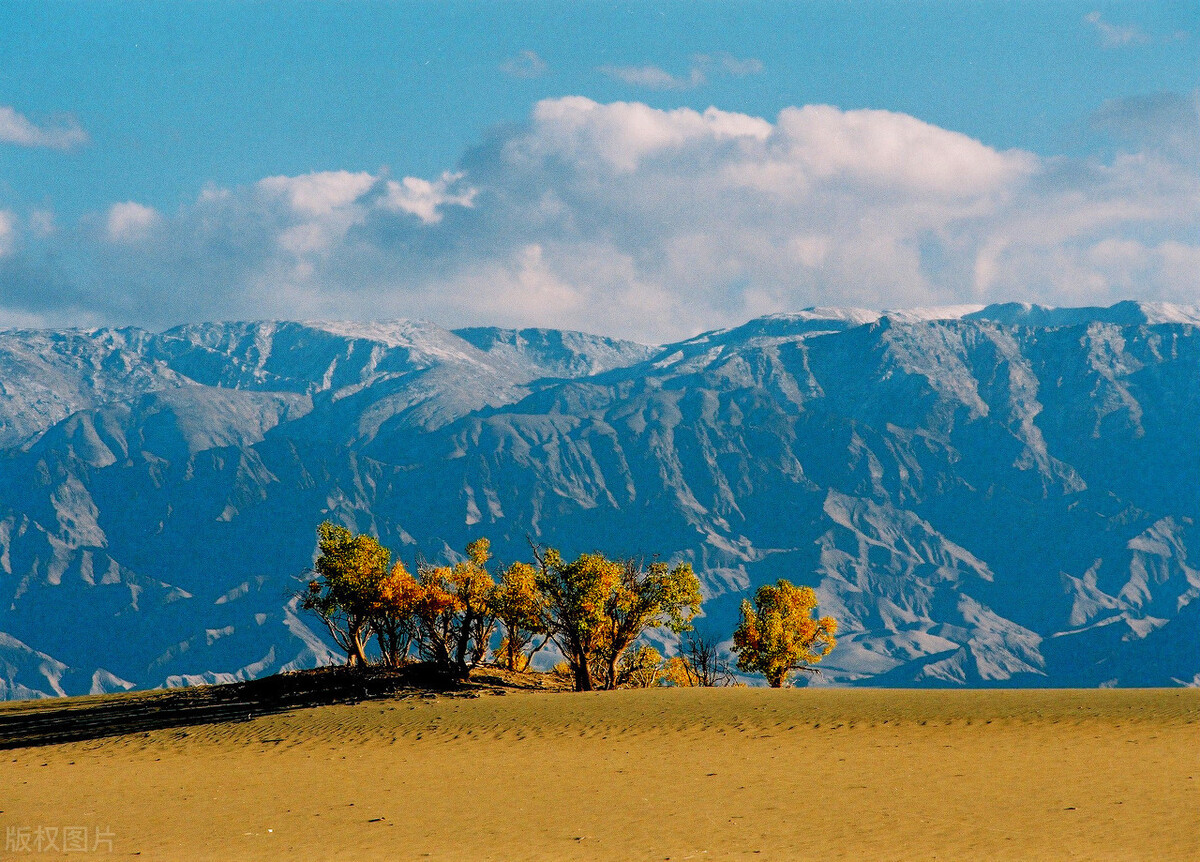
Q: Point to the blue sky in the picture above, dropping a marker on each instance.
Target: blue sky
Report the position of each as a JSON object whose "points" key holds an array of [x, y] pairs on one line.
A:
{"points": [[135, 140]]}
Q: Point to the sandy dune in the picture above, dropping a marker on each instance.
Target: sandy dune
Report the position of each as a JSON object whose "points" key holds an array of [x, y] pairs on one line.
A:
{"points": [[660, 774]]}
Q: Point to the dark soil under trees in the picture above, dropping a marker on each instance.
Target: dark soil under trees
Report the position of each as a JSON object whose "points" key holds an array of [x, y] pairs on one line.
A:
{"points": [[54, 720]]}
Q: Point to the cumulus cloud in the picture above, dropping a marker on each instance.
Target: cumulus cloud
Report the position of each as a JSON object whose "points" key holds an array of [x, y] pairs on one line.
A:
{"points": [[618, 137], [427, 200], [527, 64], [16, 129], [884, 150], [317, 194], [647, 223], [130, 222]]}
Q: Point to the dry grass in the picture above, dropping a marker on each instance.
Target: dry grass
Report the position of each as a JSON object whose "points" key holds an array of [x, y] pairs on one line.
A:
{"points": [[658, 774]]}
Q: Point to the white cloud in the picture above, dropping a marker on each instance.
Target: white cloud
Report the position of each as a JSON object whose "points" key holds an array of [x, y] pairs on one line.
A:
{"points": [[41, 222], [734, 66], [703, 68], [17, 129], [8, 232], [425, 199], [527, 64], [318, 194], [1115, 35], [883, 150], [310, 213], [730, 64], [130, 222], [654, 78], [619, 136], [654, 224]]}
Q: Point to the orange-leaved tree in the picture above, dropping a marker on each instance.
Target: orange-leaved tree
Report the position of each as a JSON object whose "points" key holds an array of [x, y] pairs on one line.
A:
{"points": [[395, 619], [346, 590], [778, 634], [454, 611]]}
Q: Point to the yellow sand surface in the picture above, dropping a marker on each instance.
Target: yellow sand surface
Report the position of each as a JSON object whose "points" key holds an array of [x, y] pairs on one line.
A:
{"points": [[639, 775]]}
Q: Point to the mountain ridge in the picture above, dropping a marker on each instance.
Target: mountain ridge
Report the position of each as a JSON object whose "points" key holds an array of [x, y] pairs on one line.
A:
{"points": [[162, 489]]}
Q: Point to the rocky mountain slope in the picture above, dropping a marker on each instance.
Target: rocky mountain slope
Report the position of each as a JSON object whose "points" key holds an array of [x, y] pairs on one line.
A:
{"points": [[998, 496]]}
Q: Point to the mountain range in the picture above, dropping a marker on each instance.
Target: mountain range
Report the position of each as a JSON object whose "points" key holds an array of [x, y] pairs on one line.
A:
{"points": [[999, 496]]}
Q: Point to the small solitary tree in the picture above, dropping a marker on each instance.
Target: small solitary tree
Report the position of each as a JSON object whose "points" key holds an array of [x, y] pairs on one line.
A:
{"points": [[778, 634], [346, 590]]}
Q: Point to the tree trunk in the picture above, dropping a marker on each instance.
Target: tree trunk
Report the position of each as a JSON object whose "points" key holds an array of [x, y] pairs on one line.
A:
{"points": [[460, 652], [583, 677], [583, 673], [356, 656]]}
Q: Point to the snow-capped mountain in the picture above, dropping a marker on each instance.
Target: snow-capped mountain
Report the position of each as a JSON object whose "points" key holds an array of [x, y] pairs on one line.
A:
{"points": [[982, 496]]}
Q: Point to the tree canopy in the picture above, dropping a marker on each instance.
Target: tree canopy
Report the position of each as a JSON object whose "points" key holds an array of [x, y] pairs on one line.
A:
{"points": [[778, 633], [597, 611], [520, 608], [596, 608], [454, 611], [346, 592]]}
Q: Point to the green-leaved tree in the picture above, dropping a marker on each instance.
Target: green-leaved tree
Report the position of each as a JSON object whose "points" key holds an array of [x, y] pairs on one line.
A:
{"points": [[345, 592]]}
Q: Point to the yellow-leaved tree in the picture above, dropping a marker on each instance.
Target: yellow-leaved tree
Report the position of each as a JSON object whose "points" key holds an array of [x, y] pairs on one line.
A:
{"points": [[454, 611], [596, 608], [778, 634], [642, 598], [574, 593], [519, 607], [640, 667]]}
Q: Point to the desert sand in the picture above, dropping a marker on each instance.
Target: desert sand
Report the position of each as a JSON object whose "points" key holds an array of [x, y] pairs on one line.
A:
{"points": [[630, 775]]}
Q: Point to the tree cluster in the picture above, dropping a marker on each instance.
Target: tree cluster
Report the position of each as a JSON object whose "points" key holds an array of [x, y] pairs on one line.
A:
{"points": [[595, 610]]}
